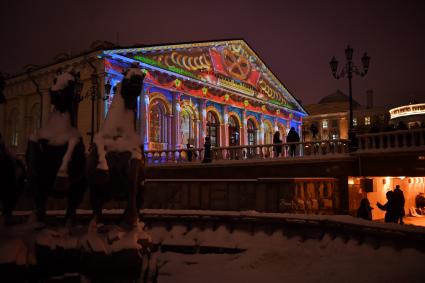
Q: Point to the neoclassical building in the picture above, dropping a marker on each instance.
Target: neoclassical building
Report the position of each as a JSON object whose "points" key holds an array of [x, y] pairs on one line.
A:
{"points": [[330, 116], [220, 89]]}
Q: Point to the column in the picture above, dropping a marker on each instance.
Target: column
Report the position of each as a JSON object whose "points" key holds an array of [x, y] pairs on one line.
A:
{"points": [[100, 105], [202, 108], [261, 130], [169, 131], [22, 122], [144, 119], [300, 131], [175, 121], [195, 131], [244, 129], [224, 127]]}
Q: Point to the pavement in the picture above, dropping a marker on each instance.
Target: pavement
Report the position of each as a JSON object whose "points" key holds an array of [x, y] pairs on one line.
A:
{"points": [[412, 220]]}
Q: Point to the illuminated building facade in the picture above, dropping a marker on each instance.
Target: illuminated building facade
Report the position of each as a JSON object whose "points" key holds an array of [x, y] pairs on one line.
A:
{"points": [[330, 116], [220, 89]]}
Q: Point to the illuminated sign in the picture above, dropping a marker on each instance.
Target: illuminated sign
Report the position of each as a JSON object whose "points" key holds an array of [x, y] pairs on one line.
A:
{"points": [[271, 93], [408, 110], [231, 84]]}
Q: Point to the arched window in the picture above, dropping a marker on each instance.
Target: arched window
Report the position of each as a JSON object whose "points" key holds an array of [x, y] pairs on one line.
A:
{"points": [[252, 132], [213, 126], [157, 122], [268, 132], [233, 131], [13, 128], [187, 126], [35, 118]]}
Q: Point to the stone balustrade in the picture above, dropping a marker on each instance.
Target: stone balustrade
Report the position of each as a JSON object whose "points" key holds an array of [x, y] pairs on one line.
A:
{"points": [[403, 140]]}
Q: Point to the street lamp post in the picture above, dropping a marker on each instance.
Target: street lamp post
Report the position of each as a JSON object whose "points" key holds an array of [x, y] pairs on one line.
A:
{"points": [[348, 70], [94, 95]]}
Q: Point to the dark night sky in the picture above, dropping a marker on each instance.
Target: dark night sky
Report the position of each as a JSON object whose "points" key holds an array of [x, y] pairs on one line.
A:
{"points": [[295, 38]]}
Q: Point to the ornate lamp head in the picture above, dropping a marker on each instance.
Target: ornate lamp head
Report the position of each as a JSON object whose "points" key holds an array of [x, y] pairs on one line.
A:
{"points": [[349, 53], [334, 65]]}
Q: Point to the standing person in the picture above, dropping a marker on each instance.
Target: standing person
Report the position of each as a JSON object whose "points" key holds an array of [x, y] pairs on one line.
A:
{"points": [[365, 210], [292, 137], [189, 151], [388, 207], [398, 204], [276, 140]]}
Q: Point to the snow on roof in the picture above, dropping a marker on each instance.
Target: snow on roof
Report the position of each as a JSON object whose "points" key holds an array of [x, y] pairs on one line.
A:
{"points": [[132, 72], [62, 81]]}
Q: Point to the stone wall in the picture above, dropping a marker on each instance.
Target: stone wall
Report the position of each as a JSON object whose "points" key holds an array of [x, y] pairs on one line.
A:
{"points": [[305, 195]]}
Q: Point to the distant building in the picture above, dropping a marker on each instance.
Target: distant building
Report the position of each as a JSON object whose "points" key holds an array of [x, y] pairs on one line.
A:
{"points": [[330, 117], [220, 89]]}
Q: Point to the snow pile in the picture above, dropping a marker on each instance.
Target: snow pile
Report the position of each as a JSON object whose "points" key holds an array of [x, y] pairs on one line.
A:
{"points": [[114, 239], [344, 219], [276, 258], [117, 132], [57, 238], [58, 129], [133, 71], [62, 81]]}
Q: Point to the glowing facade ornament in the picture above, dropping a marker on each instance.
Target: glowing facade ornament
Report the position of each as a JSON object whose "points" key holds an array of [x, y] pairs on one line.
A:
{"points": [[204, 90]]}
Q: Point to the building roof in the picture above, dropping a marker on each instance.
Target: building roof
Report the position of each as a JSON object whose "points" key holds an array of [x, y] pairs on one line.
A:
{"points": [[326, 108], [335, 102], [337, 96], [230, 64]]}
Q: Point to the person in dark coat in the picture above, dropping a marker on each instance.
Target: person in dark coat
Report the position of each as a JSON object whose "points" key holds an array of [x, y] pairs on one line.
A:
{"points": [[399, 201], [365, 210], [388, 207], [276, 140], [292, 137]]}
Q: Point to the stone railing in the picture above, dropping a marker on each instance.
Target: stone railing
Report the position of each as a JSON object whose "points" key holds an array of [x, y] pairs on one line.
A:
{"points": [[404, 140], [252, 152]]}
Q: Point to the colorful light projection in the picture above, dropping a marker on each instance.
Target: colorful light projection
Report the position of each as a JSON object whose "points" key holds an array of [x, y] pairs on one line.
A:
{"points": [[227, 64]]}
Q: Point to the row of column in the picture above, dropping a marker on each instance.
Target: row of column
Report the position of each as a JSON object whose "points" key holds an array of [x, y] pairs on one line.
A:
{"points": [[200, 125]]}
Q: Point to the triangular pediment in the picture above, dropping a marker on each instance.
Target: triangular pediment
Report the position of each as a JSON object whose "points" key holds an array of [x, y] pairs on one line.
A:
{"points": [[230, 64]]}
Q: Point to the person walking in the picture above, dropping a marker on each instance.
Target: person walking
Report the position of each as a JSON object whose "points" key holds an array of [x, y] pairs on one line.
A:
{"points": [[292, 137], [388, 207], [398, 204], [276, 140], [365, 210]]}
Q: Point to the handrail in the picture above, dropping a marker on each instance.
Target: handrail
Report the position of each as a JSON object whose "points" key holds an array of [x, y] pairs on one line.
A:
{"points": [[251, 152], [401, 140]]}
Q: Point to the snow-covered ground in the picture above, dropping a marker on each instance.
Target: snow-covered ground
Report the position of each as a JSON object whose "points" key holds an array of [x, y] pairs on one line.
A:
{"points": [[272, 257], [278, 259]]}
